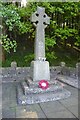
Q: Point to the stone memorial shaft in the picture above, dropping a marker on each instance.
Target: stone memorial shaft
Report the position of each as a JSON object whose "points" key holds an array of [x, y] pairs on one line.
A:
{"points": [[40, 67], [40, 20]]}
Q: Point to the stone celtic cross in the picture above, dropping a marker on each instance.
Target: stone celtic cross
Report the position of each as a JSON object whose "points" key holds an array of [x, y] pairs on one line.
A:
{"points": [[39, 87], [40, 20]]}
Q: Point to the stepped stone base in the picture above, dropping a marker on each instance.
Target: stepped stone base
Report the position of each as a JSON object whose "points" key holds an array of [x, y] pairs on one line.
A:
{"points": [[28, 93]]}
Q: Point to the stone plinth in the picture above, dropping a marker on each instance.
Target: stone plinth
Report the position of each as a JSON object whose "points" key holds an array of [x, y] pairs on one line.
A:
{"points": [[31, 95], [56, 86], [40, 70]]}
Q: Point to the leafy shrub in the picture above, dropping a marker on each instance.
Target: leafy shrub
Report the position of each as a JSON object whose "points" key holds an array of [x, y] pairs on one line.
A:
{"points": [[29, 58], [7, 44], [63, 28]]}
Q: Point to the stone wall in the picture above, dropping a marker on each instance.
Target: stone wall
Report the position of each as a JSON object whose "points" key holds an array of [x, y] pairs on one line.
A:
{"points": [[15, 73], [19, 73]]}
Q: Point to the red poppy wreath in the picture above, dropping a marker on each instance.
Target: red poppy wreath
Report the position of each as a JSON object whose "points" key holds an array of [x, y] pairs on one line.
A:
{"points": [[43, 84]]}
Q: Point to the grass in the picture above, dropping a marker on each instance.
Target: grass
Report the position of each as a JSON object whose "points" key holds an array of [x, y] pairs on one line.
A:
{"points": [[24, 57]]}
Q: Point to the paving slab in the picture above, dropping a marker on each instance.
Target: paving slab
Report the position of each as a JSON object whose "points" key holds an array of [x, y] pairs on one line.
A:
{"points": [[8, 95], [36, 108], [0, 112], [71, 81], [25, 114], [29, 111], [0, 101], [6, 88], [74, 91], [52, 107], [13, 97], [60, 114], [69, 102], [8, 113], [6, 103], [74, 110], [21, 112]]}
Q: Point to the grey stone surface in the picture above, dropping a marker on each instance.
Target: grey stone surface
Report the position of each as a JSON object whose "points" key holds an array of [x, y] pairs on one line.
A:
{"points": [[0, 102], [65, 71], [10, 74], [14, 64], [36, 108], [18, 71], [52, 107], [0, 114], [39, 18], [72, 72], [8, 95], [32, 83], [21, 112], [22, 73], [8, 100], [62, 64], [8, 113], [40, 70], [70, 101], [43, 110], [78, 71], [56, 110], [60, 114], [40, 67], [21, 98], [74, 110], [74, 91], [69, 80], [52, 88], [54, 71], [43, 97], [29, 111]]}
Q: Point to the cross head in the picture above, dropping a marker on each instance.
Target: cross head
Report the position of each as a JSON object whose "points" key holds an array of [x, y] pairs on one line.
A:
{"points": [[40, 18]]}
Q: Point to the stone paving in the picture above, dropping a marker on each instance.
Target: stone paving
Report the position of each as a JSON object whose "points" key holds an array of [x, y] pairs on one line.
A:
{"points": [[67, 108], [69, 80]]}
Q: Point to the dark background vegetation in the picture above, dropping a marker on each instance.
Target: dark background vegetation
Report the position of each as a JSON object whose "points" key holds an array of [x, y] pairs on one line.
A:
{"points": [[62, 37]]}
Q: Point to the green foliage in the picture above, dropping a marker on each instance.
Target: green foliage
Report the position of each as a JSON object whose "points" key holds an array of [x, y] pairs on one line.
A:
{"points": [[29, 58], [77, 42], [65, 33], [10, 16], [64, 25], [61, 55], [0, 63], [49, 42], [51, 56], [7, 44]]}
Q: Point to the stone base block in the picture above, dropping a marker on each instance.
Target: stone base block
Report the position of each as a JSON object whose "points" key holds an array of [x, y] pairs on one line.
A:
{"points": [[56, 86], [32, 83], [36, 90], [43, 97], [40, 70], [28, 95]]}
